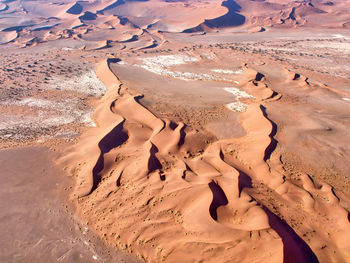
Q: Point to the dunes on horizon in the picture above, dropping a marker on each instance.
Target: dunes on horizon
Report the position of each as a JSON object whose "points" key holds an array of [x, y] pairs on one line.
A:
{"points": [[67, 19]]}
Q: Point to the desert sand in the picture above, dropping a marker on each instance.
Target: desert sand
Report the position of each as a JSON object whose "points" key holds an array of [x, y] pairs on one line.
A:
{"points": [[175, 131], [37, 223]]}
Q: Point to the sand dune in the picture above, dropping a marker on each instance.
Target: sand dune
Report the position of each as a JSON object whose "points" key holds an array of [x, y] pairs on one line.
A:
{"points": [[75, 9], [127, 17], [3, 7], [6, 37], [157, 187], [230, 19], [160, 148]]}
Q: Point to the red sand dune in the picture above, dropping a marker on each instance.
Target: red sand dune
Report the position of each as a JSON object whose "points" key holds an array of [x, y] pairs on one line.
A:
{"points": [[153, 186]]}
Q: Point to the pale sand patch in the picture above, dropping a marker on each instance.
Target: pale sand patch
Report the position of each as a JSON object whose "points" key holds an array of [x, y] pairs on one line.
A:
{"points": [[209, 56], [50, 113], [237, 106], [160, 65], [339, 46], [53, 113], [168, 60], [346, 99], [34, 102], [337, 36], [227, 71], [239, 94], [87, 83], [193, 76], [39, 121]]}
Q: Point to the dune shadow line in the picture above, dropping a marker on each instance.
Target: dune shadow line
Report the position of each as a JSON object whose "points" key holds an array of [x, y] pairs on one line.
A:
{"points": [[219, 199], [273, 144], [113, 139], [295, 249]]}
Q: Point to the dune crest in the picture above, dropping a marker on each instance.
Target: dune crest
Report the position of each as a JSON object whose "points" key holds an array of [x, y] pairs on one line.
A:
{"points": [[161, 190]]}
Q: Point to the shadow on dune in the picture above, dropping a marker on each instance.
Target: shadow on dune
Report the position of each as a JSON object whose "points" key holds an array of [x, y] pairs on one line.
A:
{"points": [[219, 199], [244, 181], [153, 162], [113, 139], [273, 144], [182, 136], [295, 249], [5, 8], [76, 9], [116, 4], [88, 16], [132, 39], [113, 60], [230, 19], [109, 62], [16, 28], [153, 45], [259, 76]]}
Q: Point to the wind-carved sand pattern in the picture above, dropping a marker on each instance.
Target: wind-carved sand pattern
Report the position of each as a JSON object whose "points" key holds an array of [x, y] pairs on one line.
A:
{"points": [[160, 191]]}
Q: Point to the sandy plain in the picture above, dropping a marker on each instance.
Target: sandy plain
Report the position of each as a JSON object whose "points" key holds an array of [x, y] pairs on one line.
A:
{"points": [[175, 131]]}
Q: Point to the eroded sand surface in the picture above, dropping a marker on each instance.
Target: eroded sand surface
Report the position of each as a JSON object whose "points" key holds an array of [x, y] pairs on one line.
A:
{"points": [[191, 131]]}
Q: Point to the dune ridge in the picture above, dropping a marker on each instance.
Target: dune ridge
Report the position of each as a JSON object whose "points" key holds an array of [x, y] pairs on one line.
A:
{"points": [[159, 190], [230, 19]]}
